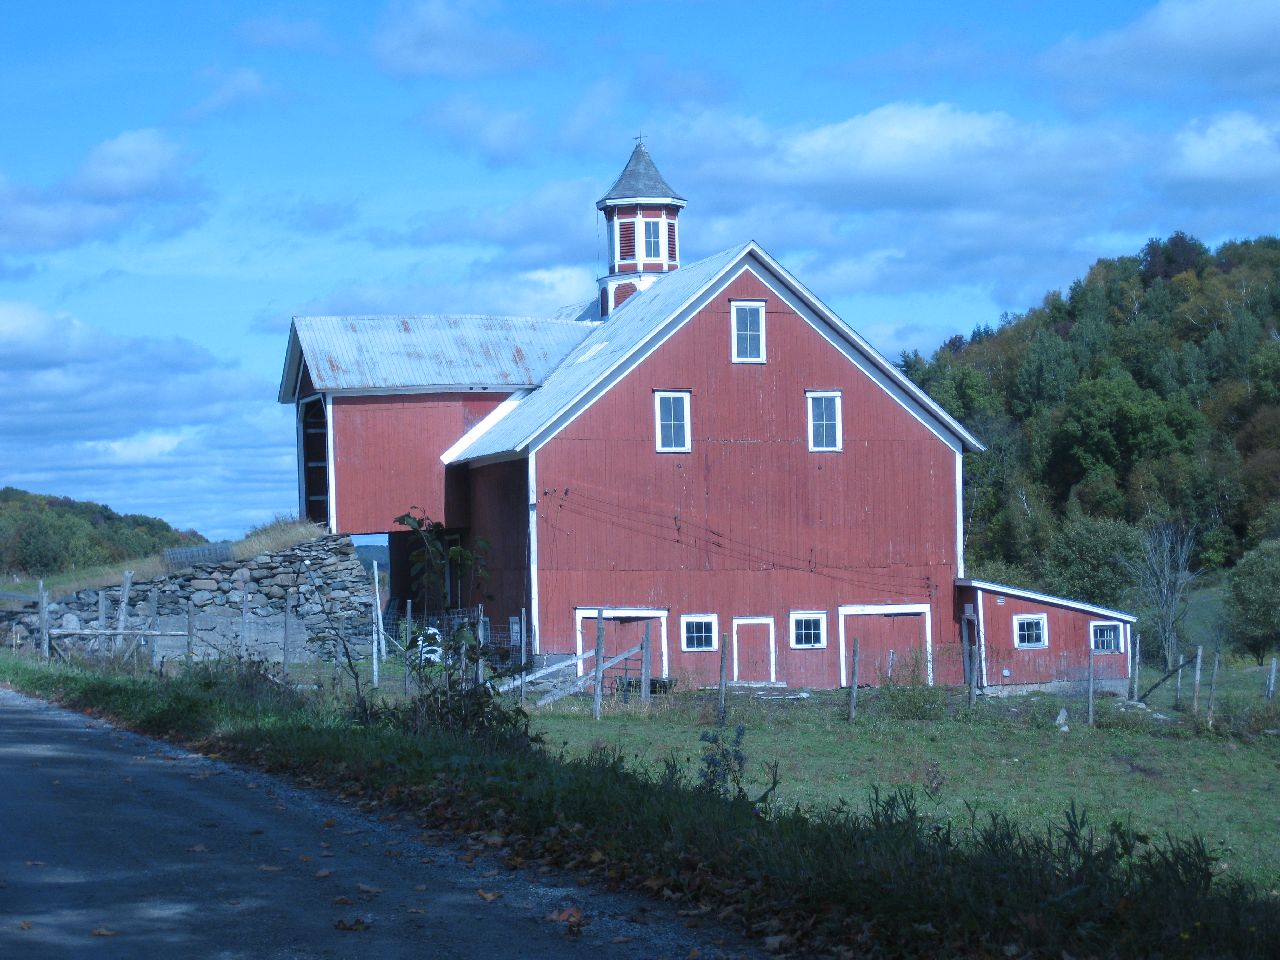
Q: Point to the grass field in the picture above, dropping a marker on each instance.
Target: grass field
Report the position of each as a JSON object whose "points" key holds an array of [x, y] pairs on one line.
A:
{"points": [[1007, 757]]}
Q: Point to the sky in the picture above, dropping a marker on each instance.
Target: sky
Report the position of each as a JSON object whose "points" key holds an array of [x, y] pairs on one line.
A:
{"points": [[178, 180]]}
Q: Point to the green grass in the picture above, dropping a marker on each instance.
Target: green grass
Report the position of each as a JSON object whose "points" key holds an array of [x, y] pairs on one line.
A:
{"points": [[1009, 759], [882, 875]]}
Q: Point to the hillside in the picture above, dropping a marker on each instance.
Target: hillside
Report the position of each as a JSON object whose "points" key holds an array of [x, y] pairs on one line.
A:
{"points": [[1151, 388], [43, 535]]}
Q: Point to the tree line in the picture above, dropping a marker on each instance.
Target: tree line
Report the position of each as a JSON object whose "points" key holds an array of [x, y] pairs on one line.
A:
{"points": [[44, 535], [1147, 394]]}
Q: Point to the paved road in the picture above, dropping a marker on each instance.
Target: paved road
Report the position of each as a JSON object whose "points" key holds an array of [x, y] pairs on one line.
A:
{"points": [[114, 845]]}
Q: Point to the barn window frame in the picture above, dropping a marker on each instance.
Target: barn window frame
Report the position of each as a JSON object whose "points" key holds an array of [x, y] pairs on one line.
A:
{"points": [[686, 400], [1093, 636], [655, 240], [795, 618], [1042, 620], [708, 620], [811, 398], [738, 337]]}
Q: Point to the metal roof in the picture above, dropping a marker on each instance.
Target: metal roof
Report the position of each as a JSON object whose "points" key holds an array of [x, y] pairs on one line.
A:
{"points": [[398, 353], [990, 587], [643, 318], [640, 179], [625, 329]]}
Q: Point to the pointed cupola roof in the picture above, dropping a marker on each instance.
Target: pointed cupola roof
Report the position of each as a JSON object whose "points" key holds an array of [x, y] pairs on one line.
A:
{"points": [[640, 180]]}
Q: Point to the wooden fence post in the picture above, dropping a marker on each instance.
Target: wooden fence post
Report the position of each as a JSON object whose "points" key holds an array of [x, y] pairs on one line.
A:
{"points": [[380, 641], [288, 615], [1195, 688], [122, 616], [724, 674], [973, 672], [646, 665], [1213, 687], [1091, 668], [1271, 680], [100, 638], [244, 620], [889, 675], [191, 630], [1135, 668], [598, 695], [408, 641], [44, 622], [524, 640], [853, 682], [153, 601]]}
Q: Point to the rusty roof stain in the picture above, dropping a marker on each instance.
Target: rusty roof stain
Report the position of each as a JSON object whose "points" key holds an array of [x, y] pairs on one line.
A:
{"points": [[404, 353]]}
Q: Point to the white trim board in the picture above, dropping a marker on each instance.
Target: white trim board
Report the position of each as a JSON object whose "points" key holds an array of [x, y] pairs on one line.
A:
{"points": [[773, 644], [581, 613], [485, 424], [880, 609], [1019, 592], [533, 554]]}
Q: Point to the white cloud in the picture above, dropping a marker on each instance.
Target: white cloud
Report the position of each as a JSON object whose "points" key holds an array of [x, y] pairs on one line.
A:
{"points": [[500, 136], [448, 39], [133, 164], [146, 425], [1230, 149], [230, 89], [1226, 44], [136, 177]]}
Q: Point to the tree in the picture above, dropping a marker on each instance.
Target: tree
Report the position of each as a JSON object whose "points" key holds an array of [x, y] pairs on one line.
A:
{"points": [[1161, 574], [1088, 559], [1253, 603]]}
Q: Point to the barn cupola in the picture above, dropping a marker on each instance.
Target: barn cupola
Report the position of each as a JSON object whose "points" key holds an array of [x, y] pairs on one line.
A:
{"points": [[641, 214]]}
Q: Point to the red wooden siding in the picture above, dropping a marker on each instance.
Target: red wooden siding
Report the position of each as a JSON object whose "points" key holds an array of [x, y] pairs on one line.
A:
{"points": [[1065, 658], [500, 518], [387, 450], [750, 523]]}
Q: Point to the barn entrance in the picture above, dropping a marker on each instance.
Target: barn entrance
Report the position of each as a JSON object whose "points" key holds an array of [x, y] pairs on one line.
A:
{"points": [[623, 629], [755, 658], [893, 640]]}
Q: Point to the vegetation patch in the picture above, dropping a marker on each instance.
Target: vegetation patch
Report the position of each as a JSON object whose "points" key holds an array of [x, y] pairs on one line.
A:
{"points": [[884, 877]]}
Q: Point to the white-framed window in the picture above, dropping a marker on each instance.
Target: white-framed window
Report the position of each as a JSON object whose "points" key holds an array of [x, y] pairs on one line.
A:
{"points": [[825, 425], [1106, 636], [699, 631], [808, 629], [1031, 630], [652, 239], [747, 318], [671, 414]]}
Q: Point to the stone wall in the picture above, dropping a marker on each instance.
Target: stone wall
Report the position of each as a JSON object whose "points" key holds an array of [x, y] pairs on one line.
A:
{"points": [[323, 581]]}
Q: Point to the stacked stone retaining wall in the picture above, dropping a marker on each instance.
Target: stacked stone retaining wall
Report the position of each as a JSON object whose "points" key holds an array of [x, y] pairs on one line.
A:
{"points": [[327, 588]]}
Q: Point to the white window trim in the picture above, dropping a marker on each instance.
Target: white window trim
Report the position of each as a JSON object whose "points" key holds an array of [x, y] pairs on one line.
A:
{"points": [[1044, 631], [1120, 646], [733, 330], [820, 616], [809, 397], [687, 396], [713, 619], [660, 222]]}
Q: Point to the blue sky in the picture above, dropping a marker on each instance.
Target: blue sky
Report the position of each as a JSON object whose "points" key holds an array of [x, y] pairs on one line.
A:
{"points": [[178, 180]]}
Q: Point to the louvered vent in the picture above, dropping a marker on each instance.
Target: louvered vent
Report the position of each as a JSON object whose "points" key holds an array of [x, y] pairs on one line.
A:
{"points": [[627, 240], [671, 241]]}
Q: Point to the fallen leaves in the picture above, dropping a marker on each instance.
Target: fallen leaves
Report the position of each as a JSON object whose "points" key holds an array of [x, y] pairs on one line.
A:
{"points": [[198, 848], [102, 932], [24, 925], [356, 925], [368, 888], [572, 917], [321, 874], [488, 896], [268, 868]]}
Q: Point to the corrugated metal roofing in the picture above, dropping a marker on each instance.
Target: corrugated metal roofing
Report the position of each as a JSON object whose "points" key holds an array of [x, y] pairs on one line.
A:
{"points": [[640, 178], [609, 343], [641, 318], [405, 352]]}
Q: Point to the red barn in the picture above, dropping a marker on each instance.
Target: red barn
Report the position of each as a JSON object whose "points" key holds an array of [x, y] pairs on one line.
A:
{"points": [[705, 449]]}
